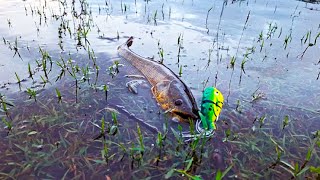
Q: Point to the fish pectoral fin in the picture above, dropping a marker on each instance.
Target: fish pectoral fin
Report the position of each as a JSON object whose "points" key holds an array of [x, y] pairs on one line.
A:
{"points": [[133, 85]]}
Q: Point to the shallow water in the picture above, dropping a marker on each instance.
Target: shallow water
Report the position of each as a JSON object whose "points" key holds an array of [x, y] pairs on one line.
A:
{"points": [[272, 78]]}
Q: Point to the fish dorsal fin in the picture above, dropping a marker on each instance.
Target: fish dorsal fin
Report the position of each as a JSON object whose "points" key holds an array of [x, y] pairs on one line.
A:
{"points": [[154, 60], [150, 58]]}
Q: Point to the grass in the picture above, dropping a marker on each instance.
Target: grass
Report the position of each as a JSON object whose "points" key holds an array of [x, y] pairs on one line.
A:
{"points": [[18, 80], [207, 20], [32, 94], [52, 134]]}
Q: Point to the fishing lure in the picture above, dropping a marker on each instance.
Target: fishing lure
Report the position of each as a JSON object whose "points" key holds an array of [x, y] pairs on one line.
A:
{"points": [[211, 105]]}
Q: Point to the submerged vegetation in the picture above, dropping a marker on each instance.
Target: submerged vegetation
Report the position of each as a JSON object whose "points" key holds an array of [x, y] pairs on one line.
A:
{"points": [[66, 113]]}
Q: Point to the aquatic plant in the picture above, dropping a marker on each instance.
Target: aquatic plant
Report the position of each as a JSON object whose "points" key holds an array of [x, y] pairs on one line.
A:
{"points": [[32, 94], [18, 80]]}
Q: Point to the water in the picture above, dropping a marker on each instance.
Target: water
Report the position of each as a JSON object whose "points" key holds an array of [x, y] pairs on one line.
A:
{"points": [[271, 79]]}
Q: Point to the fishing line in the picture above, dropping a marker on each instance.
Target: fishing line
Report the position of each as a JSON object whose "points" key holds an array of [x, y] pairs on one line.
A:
{"points": [[202, 133]]}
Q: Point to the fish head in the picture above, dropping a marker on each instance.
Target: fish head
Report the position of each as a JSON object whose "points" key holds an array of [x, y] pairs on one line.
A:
{"points": [[211, 105], [181, 102]]}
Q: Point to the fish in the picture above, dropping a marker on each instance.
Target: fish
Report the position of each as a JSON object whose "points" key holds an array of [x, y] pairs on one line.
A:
{"points": [[170, 92]]}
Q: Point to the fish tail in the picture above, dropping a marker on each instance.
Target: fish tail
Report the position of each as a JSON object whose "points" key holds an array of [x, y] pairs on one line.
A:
{"points": [[127, 44], [129, 41]]}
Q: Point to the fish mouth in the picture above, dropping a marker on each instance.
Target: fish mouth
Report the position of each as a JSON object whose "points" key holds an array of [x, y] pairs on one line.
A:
{"points": [[184, 115]]}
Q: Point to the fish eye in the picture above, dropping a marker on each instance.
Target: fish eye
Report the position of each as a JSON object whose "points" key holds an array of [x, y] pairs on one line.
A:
{"points": [[178, 102]]}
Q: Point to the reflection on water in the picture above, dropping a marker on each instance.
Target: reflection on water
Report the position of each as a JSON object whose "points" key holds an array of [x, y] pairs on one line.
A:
{"points": [[262, 55]]}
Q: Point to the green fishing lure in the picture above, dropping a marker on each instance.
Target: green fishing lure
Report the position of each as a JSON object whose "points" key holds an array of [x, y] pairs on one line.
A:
{"points": [[211, 105]]}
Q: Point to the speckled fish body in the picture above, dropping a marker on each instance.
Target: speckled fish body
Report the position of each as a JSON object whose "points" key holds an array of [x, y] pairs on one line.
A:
{"points": [[170, 92]]}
